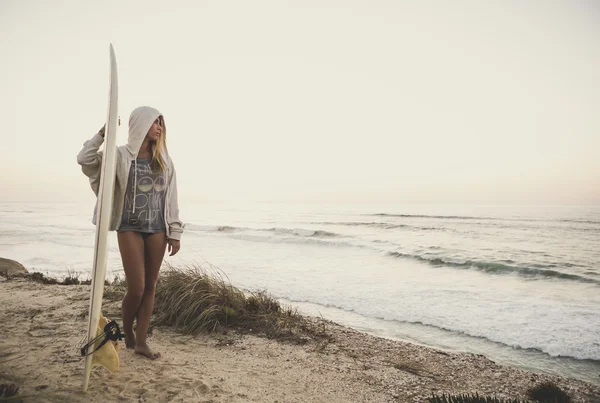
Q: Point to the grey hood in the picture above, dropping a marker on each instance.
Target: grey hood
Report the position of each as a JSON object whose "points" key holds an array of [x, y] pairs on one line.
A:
{"points": [[140, 121]]}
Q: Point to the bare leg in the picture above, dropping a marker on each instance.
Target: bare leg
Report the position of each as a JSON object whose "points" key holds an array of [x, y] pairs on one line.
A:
{"points": [[155, 246], [131, 246]]}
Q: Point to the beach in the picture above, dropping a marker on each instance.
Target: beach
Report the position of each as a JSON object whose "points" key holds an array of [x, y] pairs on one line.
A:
{"points": [[401, 199], [43, 324], [513, 283]]}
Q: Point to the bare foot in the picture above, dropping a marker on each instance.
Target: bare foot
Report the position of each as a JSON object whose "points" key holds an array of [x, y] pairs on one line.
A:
{"points": [[146, 352], [130, 340]]}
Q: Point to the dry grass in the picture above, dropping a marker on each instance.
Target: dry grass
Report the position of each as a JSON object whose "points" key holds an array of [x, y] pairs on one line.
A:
{"points": [[548, 392], [72, 278], [194, 301], [467, 398], [38, 277], [115, 291], [542, 393]]}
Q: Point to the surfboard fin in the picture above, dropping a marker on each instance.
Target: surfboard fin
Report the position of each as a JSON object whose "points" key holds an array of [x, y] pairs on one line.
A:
{"points": [[108, 354]]}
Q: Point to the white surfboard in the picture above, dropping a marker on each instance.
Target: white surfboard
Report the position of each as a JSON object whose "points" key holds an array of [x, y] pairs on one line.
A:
{"points": [[104, 211]]}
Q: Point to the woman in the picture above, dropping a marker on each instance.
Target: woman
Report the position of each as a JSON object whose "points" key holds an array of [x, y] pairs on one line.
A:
{"points": [[145, 214]]}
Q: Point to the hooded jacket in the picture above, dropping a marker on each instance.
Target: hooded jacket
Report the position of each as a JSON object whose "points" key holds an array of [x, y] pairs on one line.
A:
{"points": [[90, 159]]}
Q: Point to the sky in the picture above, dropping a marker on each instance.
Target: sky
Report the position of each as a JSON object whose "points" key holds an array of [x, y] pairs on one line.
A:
{"points": [[328, 101]]}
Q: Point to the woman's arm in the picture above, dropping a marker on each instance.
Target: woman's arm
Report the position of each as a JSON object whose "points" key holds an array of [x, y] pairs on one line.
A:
{"points": [[173, 221], [90, 159]]}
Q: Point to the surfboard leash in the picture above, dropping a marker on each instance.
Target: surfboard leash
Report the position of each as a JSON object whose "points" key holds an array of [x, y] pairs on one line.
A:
{"points": [[110, 332]]}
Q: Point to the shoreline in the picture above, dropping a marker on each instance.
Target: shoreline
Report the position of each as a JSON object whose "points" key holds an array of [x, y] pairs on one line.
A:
{"points": [[42, 325], [531, 360]]}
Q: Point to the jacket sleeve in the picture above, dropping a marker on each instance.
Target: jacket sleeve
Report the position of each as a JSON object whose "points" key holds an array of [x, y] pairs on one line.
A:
{"points": [[176, 226], [90, 160]]}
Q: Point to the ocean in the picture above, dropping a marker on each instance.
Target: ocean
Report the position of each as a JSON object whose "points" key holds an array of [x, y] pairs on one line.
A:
{"points": [[518, 284]]}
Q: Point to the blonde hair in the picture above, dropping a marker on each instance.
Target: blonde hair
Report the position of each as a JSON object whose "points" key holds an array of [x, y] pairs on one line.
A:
{"points": [[159, 149]]}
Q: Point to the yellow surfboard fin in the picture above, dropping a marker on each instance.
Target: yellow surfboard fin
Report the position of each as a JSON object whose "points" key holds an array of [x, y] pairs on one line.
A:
{"points": [[108, 354]]}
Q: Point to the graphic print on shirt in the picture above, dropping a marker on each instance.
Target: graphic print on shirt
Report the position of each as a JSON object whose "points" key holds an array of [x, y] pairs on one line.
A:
{"points": [[149, 199]]}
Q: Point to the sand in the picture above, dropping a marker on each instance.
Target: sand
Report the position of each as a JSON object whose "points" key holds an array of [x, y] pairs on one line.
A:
{"points": [[43, 324]]}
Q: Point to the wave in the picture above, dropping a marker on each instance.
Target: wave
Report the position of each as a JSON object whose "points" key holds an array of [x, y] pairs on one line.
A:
{"points": [[226, 228], [538, 350], [297, 240], [213, 228], [445, 329], [300, 232], [381, 225], [453, 217], [496, 268], [581, 221], [497, 219]]}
